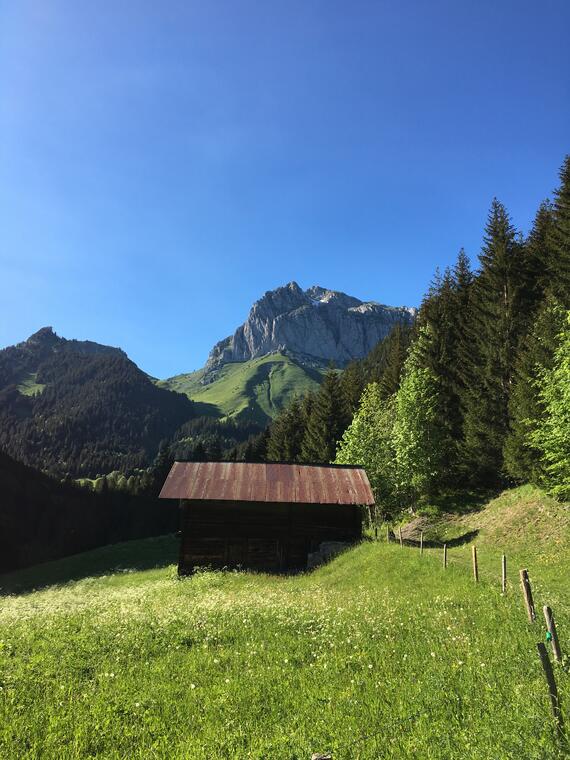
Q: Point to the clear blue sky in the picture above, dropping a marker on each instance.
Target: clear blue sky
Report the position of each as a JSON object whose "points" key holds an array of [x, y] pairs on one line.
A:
{"points": [[164, 164]]}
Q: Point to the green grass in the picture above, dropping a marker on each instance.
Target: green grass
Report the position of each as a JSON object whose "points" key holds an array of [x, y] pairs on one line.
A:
{"points": [[128, 556], [29, 385], [257, 389], [380, 654], [524, 523]]}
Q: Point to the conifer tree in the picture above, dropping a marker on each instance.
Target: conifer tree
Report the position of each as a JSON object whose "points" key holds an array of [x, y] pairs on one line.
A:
{"points": [[495, 327], [256, 447], [199, 453], [327, 421], [463, 279], [561, 238], [383, 365], [286, 435], [438, 353], [540, 264], [395, 350], [352, 383], [214, 449]]}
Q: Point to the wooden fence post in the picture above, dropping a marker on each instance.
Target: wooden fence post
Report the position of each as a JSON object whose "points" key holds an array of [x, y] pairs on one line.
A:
{"points": [[387, 534], [445, 555], [421, 542], [475, 563], [553, 691], [504, 574], [400, 535], [551, 626], [527, 593]]}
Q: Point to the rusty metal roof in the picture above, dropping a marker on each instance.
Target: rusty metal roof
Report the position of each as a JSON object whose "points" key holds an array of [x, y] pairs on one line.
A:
{"points": [[244, 481]]}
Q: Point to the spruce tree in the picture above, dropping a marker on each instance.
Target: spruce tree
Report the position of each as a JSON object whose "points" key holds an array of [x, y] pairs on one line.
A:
{"points": [[561, 238], [352, 383], [395, 351], [463, 279], [255, 449], [285, 435], [383, 365], [540, 264], [438, 313], [495, 327], [327, 421]]}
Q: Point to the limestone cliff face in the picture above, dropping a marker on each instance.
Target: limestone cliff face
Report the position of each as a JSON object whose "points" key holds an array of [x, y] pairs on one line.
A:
{"points": [[315, 325]]}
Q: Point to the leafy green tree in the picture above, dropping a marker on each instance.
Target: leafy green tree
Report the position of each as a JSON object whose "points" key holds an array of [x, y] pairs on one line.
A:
{"points": [[522, 459], [368, 442], [420, 437], [552, 436]]}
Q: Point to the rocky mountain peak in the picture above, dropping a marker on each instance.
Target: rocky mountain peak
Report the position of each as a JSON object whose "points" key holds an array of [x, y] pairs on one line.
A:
{"points": [[317, 325], [334, 297], [45, 336], [279, 301]]}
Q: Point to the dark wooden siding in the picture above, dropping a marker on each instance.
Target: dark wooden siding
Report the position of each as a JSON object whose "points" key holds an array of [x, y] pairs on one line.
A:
{"points": [[259, 535]]}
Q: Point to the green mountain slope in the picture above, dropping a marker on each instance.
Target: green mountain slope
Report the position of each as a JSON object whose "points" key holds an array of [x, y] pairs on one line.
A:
{"points": [[81, 408], [257, 389], [381, 654]]}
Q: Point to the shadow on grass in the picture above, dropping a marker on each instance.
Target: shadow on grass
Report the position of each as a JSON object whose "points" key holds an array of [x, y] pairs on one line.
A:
{"points": [[464, 502], [465, 538], [129, 556]]}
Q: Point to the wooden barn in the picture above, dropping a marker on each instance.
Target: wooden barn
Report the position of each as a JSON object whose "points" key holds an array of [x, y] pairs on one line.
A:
{"points": [[264, 516]]}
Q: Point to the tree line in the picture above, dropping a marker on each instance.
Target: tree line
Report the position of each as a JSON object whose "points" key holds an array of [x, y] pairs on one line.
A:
{"points": [[475, 394], [43, 518]]}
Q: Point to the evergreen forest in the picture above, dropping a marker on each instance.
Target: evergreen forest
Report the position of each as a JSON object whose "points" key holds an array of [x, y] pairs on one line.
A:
{"points": [[475, 395]]}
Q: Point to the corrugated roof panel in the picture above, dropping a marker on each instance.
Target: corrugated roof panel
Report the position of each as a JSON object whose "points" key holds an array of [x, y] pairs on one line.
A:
{"points": [[242, 481]]}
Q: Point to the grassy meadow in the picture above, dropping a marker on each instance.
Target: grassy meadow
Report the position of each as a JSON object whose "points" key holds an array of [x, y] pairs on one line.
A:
{"points": [[257, 389], [380, 654]]}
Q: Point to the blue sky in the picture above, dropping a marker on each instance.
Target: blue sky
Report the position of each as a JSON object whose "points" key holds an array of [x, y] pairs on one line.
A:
{"points": [[164, 164]]}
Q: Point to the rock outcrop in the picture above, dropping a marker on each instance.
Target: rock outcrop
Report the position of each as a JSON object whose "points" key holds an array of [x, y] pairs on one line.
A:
{"points": [[315, 325]]}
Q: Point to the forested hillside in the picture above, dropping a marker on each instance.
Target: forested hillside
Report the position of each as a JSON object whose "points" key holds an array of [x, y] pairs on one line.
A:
{"points": [[42, 518], [476, 394], [81, 409]]}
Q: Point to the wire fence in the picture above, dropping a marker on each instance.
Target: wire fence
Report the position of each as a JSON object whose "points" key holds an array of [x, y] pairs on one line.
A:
{"points": [[461, 553]]}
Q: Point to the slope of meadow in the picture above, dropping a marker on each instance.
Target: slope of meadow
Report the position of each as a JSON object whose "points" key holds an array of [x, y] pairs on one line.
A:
{"points": [[380, 654], [257, 389]]}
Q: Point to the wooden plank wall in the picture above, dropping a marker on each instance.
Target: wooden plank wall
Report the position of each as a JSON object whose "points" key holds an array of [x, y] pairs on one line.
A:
{"points": [[260, 535]]}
